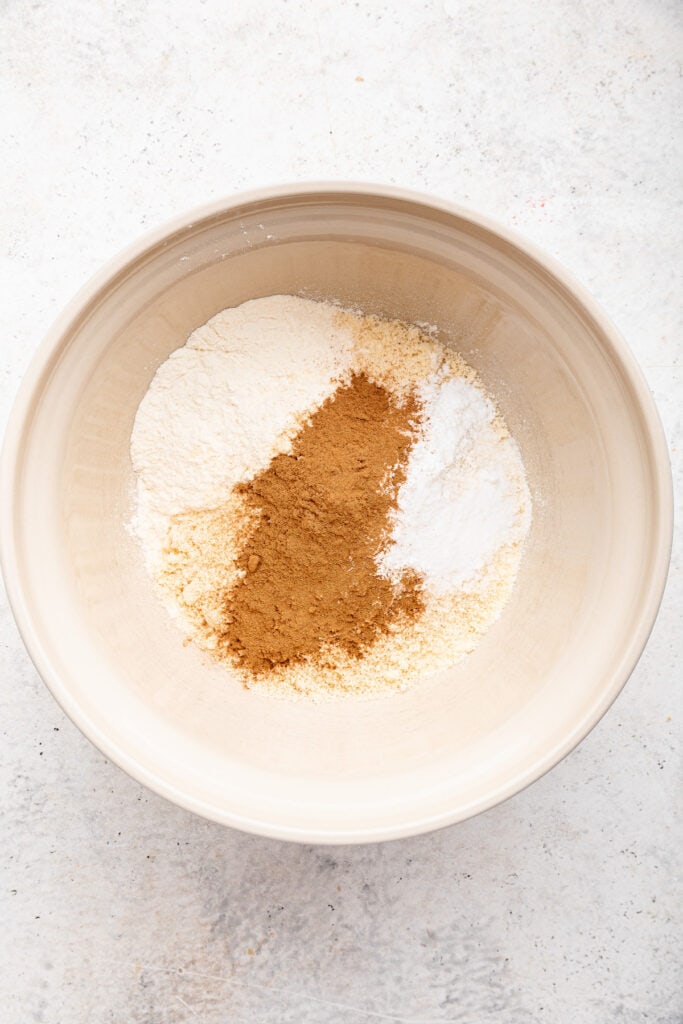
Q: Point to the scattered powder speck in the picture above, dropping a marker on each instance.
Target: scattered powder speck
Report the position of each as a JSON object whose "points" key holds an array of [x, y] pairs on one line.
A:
{"points": [[254, 449]]}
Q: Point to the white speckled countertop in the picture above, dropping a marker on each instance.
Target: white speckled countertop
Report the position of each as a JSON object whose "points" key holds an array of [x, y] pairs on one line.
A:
{"points": [[558, 118]]}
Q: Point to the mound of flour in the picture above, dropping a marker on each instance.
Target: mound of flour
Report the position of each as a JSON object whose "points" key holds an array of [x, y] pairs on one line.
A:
{"points": [[465, 492], [238, 393], [233, 396]]}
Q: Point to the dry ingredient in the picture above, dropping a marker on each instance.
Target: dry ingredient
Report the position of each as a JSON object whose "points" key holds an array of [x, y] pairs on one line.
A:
{"points": [[463, 488], [320, 517], [222, 405], [333, 505]]}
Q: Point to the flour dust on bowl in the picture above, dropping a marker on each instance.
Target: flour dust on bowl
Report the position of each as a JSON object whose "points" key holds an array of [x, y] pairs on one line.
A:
{"points": [[85, 528]]}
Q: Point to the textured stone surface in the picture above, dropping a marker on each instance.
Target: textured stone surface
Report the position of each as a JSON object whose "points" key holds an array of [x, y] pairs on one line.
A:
{"points": [[557, 118]]}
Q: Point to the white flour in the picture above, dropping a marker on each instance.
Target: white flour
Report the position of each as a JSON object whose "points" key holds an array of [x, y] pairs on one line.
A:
{"points": [[465, 493], [233, 396]]}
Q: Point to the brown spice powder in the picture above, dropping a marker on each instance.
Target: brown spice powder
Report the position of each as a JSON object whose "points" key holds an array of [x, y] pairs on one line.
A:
{"points": [[321, 515]]}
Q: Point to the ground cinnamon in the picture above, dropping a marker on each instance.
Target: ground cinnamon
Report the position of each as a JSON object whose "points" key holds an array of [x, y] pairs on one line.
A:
{"points": [[320, 515]]}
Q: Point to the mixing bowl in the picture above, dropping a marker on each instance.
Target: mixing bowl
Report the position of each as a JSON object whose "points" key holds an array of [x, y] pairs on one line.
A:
{"points": [[348, 770]]}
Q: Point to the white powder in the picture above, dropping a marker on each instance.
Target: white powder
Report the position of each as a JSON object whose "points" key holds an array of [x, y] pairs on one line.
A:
{"points": [[465, 493], [233, 396]]}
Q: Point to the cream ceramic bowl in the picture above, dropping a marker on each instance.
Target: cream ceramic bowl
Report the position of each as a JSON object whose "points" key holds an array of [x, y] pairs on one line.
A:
{"points": [[351, 771]]}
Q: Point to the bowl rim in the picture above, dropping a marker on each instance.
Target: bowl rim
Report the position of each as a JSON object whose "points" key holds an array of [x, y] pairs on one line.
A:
{"points": [[19, 423]]}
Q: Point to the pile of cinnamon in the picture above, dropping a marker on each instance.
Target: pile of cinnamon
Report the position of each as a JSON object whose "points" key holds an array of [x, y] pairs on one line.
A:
{"points": [[321, 514], [303, 584]]}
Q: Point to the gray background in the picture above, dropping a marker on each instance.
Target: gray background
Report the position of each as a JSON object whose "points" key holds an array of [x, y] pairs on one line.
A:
{"points": [[559, 118]]}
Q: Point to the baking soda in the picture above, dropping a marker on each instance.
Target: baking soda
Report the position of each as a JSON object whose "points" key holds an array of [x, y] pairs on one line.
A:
{"points": [[465, 494]]}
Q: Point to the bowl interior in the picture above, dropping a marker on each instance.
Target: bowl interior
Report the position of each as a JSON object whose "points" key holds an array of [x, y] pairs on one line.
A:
{"points": [[348, 770]]}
